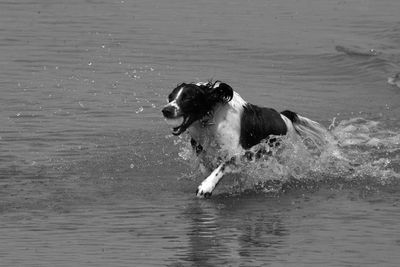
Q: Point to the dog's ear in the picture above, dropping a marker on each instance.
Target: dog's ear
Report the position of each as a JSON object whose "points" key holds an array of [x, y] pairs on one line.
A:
{"points": [[221, 92]]}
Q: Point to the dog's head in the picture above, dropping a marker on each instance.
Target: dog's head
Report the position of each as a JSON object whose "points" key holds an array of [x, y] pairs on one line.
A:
{"points": [[188, 103]]}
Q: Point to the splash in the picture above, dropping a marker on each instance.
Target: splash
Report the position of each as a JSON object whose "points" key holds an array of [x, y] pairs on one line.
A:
{"points": [[395, 80], [355, 150], [372, 151]]}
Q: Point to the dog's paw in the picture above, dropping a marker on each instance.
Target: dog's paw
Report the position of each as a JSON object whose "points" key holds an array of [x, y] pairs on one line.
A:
{"points": [[204, 191]]}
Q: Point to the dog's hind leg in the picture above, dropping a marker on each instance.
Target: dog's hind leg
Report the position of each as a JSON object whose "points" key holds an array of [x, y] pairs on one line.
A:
{"points": [[207, 186]]}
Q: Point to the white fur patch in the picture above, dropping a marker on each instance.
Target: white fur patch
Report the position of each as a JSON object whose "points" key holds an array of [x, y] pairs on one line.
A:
{"points": [[201, 83], [173, 104], [289, 125], [228, 125], [208, 185], [179, 94], [237, 102]]}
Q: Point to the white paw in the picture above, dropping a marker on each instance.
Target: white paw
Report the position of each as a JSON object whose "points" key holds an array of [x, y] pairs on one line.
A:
{"points": [[205, 190]]}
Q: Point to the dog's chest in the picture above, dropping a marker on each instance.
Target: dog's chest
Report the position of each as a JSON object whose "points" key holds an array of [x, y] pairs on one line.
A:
{"points": [[220, 135]]}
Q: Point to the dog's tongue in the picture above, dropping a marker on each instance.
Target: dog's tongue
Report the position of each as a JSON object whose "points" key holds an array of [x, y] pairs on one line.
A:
{"points": [[182, 127], [175, 122]]}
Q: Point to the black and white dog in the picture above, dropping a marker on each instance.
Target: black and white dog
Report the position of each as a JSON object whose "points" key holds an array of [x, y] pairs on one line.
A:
{"points": [[224, 126]]}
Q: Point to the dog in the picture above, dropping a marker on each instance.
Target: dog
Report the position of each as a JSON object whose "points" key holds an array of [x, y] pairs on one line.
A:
{"points": [[222, 125]]}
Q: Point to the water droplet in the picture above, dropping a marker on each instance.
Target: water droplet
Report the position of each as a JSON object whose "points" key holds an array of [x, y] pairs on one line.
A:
{"points": [[139, 110]]}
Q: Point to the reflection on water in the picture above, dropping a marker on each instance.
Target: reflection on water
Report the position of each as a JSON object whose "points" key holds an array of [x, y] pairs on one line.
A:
{"points": [[250, 230], [217, 235], [90, 175]]}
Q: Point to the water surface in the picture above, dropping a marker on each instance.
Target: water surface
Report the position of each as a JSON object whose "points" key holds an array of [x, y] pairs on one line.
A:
{"points": [[91, 176]]}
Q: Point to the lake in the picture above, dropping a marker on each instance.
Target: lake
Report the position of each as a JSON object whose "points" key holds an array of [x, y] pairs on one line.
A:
{"points": [[90, 174]]}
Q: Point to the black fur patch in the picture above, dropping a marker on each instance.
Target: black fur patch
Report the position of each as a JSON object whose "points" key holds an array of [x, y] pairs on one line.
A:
{"points": [[292, 116], [196, 147], [257, 123]]}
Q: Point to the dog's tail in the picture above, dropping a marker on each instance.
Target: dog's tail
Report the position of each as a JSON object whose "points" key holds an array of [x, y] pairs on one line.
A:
{"points": [[310, 131]]}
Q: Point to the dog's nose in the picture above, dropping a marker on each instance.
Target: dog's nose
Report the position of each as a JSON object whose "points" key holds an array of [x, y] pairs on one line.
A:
{"points": [[168, 111]]}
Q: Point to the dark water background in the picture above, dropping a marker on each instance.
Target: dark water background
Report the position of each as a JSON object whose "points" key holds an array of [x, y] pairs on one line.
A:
{"points": [[90, 175]]}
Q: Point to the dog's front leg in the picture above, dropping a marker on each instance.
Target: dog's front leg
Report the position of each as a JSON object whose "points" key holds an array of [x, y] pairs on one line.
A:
{"points": [[207, 186]]}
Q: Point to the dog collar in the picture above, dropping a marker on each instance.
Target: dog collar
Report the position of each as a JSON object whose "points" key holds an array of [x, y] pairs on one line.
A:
{"points": [[206, 120]]}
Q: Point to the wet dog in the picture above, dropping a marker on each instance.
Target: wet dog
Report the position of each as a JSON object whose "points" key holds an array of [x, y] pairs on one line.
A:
{"points": [[224, 126]]}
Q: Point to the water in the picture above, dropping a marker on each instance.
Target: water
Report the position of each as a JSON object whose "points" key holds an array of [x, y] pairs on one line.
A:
{"points": [[91, 176]]}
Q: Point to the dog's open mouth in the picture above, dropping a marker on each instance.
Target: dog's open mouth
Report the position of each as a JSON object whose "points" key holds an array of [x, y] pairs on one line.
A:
{"points": [[179, 124]]}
